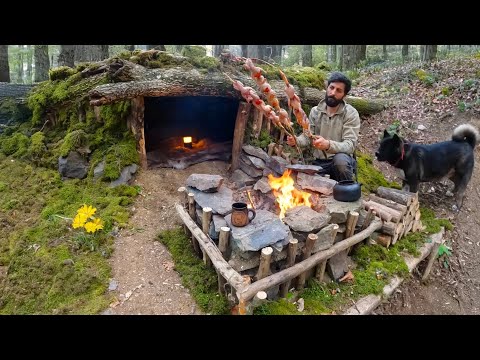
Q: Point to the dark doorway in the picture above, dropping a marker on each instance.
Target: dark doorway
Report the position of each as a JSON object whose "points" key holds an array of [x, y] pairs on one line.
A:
{"points": [[210, 121]]}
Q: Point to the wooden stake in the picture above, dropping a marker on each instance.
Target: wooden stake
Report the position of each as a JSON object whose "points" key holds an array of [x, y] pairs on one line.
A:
{"points": [[193, 216], [431, 258], [182, 196], [223, 241], [291, 255], [206, 218], [311, 239], [270, 147], [257, 125], [264, 267]]}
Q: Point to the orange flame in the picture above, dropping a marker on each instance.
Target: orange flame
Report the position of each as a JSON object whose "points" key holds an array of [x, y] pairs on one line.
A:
{"points": [[286, 194]]}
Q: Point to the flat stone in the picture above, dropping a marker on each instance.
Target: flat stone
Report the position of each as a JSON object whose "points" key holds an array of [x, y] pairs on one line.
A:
{"points": [[241, 179], [220, 201], [262, 185], [266, 229], [255, 151], [316, 183], [205, 182], [307, 169]]}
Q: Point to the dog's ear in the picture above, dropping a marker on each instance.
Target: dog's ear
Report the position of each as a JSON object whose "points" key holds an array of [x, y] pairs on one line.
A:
{"points": [[386, 134], [396, 138]]}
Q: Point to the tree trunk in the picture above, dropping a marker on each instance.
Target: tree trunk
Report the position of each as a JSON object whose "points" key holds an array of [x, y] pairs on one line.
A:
{"points": [[179, 48], [20, 65], [42, 65], [430, 53], [332, 53], [156, 47], [307, 56], [104, 52], [422, 52], [67, 55], [363, 53], [29, 64], [217, 50], [4, 66], [256, 51], [130, 47], [351, 56], [244, 50], [277, 53], [404, 53], [385, 54], [81, 53]]}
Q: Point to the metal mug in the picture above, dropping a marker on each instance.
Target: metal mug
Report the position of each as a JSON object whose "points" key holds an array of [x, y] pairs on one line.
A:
{"points": [[240, 214]]}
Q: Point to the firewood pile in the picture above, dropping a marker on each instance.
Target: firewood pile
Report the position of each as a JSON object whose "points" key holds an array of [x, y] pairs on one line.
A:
{"points": [[399, 210]]}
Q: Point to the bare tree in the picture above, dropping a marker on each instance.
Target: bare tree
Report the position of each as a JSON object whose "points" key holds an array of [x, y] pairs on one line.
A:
{"points": [[67, 55], [42, 64], [20, 65], [4, 66], [307, 55]]}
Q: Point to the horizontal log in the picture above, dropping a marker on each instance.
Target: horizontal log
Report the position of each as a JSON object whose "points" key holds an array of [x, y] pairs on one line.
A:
{"points": [[247, 292], [399, 196], [396, 215], [391, 204]]}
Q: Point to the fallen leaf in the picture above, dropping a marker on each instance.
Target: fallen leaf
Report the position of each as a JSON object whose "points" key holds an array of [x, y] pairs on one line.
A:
{"points": [[348, 277]]}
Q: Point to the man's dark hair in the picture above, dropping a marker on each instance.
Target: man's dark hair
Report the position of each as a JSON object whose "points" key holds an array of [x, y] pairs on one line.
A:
{"points": [[339, 77]]}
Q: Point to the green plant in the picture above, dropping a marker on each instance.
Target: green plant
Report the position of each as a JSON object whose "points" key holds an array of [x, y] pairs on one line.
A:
{"points": [[443, 252]]}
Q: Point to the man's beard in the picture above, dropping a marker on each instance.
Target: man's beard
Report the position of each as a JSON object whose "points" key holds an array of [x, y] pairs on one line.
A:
{"points": [[331, 101]]}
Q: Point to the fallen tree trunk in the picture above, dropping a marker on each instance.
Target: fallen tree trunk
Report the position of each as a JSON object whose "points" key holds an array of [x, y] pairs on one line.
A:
{"points": [[132, 80]]}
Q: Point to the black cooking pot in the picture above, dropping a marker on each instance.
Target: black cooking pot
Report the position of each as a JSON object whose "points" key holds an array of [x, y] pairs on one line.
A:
{"points": [[347, 190]]}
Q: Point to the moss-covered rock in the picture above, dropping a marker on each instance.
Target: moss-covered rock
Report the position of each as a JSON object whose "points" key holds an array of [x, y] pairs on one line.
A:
{"points": [[369, 176]]}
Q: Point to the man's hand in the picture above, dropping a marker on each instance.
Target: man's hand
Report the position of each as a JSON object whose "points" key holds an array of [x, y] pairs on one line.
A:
{"points": [[291, 140], [320, 143]]}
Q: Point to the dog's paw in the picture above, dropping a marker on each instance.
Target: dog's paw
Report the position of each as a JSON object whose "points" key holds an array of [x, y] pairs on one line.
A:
{"points": [[449, 193]]}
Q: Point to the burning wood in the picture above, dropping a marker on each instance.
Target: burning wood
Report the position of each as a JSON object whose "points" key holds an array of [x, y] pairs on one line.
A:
{"points": [[287, 196]]}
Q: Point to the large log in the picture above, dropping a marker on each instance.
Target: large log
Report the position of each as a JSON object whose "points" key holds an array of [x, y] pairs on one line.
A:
{"points": [[399, 196], [132, 80]]}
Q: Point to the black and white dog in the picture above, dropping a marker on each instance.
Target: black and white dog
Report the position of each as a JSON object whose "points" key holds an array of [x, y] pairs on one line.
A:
{"points": [[420, 163]]}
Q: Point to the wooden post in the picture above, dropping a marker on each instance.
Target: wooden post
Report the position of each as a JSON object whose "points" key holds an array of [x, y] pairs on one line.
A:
{"points": [[239, 133], [135, 121], [431, 259], [291, 254], [311, 239], [264, 267], [270, 147], [191, 212], [182, 196], [257, 125], [223, 241], [352, 219], [206, 218], [257, 300]]}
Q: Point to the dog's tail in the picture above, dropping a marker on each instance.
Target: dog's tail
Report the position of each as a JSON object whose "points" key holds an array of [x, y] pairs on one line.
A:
{"points": [[466, 132]]}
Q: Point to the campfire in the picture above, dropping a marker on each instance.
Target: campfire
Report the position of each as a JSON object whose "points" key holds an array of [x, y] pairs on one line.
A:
{"points": [[287, 196]]}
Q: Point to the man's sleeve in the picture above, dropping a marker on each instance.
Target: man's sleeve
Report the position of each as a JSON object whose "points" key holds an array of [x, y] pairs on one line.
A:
{"points": [[351, 128], [303, 140]]}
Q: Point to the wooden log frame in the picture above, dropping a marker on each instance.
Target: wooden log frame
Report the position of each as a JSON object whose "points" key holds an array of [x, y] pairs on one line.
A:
{"points": [[245, 292]]}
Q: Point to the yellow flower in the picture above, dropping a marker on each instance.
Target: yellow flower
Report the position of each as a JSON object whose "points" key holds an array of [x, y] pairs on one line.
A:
{"points": [[88, 211], [94, 225], [79, 220]]}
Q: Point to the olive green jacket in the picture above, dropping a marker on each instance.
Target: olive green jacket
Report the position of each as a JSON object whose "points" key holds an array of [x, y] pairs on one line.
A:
{"points": [[341, 129]]}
